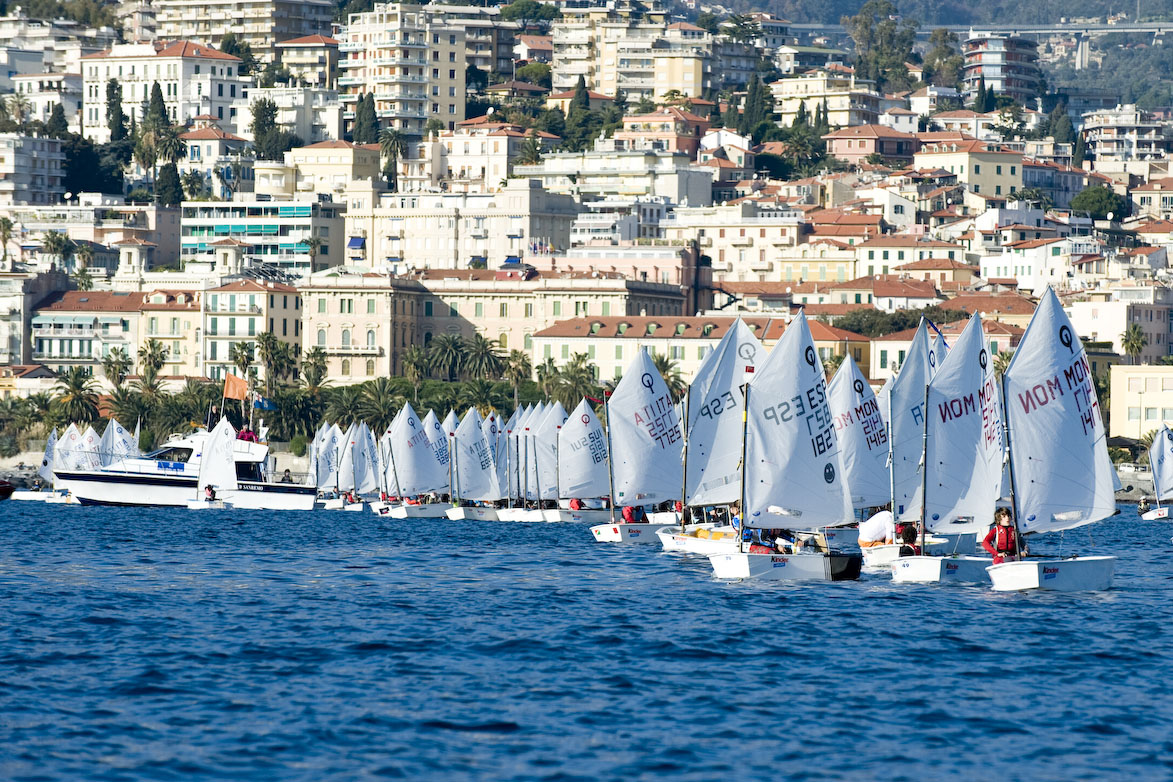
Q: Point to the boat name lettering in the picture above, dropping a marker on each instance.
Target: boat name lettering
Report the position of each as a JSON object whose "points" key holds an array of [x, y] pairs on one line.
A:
{"points": [[177, 466], [418, 438], [867, 415], [779, 561]]}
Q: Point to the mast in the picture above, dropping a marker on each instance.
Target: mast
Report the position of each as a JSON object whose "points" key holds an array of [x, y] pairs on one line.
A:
{"points": [[684, 467], [394, 473], [610, 461], [450, 440], [508, 472], [891, 467], [744, 443], [924, 477], [524, 442], [1010, 461], [537, 472]]}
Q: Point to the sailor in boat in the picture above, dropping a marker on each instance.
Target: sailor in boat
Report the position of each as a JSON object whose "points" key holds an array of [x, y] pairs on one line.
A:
{"points": [[908, 547], [287, 477], [634, 514], [209, 493], [877, 530], [1143, 506], [1001, 540]]}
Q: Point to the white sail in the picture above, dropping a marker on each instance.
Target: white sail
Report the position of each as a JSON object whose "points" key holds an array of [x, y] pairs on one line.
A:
{"points": [[70, 442], [346, 467], [366, 461], [476, 476], [1058, 446], [490, 428], [964, 457], [328, 454], [1161, 462], [315, 449], [89, 454], [792, 473], [217, 463], [416, 465], [506, 458], [582, 455], [862, 435], [904, 408], [715, 404], [544, 450], [46, 468], [646, 437], [117, 444], [438, 437]]}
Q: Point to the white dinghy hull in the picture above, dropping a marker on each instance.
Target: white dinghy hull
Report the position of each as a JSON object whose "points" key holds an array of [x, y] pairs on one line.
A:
{"points": [[840, 538], [882, 557], [1156, 514], [673, 539], [627, 533], [578, 516], [428, 510], [471, 514], [1079, 574], [803, 566], [941, 570]]}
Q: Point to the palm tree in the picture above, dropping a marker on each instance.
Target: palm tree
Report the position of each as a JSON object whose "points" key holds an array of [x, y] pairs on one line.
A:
{"points": [[117, 365], [671, 374], [152, 356], [343, 405], [482, 358], [1146, 440], [77, 396], [268, 348], [241, 355], [414, 363], [193, 184], [312, 245], [393, 146], [446, 354], [379, 403], [313, 370], [478, 393], [530, 153], [18, 108], [60, 246], [1134, 341], [40, 408], [832, 363], [518, 369], [575, 380], [6, 228], [1001, 361], [547, 374], [169, 146]]}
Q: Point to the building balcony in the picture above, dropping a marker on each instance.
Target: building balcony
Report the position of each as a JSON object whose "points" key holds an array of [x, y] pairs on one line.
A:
{"points": [[418, 62], [354, 350], [351, 81]]}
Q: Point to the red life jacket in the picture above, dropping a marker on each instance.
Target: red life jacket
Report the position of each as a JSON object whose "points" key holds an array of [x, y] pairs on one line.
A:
{"points": [[628, 514], [576, 504]]}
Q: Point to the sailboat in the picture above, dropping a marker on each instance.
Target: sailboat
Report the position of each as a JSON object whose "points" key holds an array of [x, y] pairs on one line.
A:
{"points": [[962, 476], [644, 441], [583, 478], [1161, 463], [514, 467], [413, 469], [791, 474], [348, 453], [1060, 472], [712, 445], [217, 468], [474, 473], [45, 473]]}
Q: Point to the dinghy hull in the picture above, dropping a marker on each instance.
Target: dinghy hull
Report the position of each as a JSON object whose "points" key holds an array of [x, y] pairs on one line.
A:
{"points": [[882, 557], [471, 514], [1080, 574], [1157, 514], [428, 510], [787, 567], [941, 570], [703, 541], [627, 533], [577, 516]]}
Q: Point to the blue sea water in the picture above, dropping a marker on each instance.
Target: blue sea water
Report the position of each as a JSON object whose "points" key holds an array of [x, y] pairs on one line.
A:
{"points": [[165, 644]]}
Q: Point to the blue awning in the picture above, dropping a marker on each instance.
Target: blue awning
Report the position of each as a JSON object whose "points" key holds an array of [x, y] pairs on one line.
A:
{"points": [[393, 259], [356, 243], [513, 259]]}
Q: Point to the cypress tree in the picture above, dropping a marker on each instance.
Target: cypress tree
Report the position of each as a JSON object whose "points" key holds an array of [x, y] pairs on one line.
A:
{"points": [[57, 127], [168, 190], [156, 116], [1079, 152], [581, 98], [366, 125], [115, 117], [800, 117]]}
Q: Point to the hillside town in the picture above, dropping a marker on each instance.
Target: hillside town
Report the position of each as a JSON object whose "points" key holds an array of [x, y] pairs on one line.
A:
{"points": [[523, 196]]}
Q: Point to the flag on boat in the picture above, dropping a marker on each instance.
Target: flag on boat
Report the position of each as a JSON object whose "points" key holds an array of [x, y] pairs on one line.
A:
{"points": [[261, 403], [235, 387]]}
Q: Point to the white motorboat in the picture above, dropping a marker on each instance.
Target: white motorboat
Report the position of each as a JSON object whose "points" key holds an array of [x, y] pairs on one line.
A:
{"points": [[947, 569], [471, 513], [803, 566], [882, 557], [1078, 574], [169, 476]]}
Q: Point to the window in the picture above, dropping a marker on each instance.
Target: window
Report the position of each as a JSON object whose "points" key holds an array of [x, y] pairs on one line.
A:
{"points": [[345, 339], [883, 359], [479, 310], [565, 351], [977, 168], [606, 309], [346, 306], [370, 306], [618, 352], [370, 367], [529, 310], [504, 310], [503, 340], [557, 309], [371, 338], [529, 342], [346, 366]]}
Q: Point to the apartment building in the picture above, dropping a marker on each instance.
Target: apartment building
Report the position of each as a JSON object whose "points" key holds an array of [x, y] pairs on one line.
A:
{"points": [[1039, 263], [46, 45], [849, 101], [172, 318], [1007, 64], [211, 153], [457, 230], [1142, 399], [488, 39], [743, 241], [329, 168], [606, 171], [96, 218], [20, 294], [1153, 199], [1105, 315], [1125, 134], [80, 328], [259, 23], [856, 144], [477, 157], [985, 168], [278, 233], [311, 60], [43, 91], [240, 311], [411, 60], [312, 114], [195, 80], [32, 170]]}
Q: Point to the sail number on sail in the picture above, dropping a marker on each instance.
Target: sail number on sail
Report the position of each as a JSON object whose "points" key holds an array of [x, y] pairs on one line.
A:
{"points": [[659, 420], [961, 406], [811, 407], [867, 414], [1077, 380], [595, 442]]}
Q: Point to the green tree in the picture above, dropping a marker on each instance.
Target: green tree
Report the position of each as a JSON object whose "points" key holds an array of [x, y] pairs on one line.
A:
{"points": [[414, 364], [313, 245], [518, 370], [1099, 201], [264, 119], [943, 61], [1079, 151], [581, 98], [446, 354], [742, 29], [883, 44], [168, 190], [57, 126], [115, 117], [77, 396], [59, 246], [1134, 341], [313, 370], [393, 147], [379, 402], [705, 21], [242, 49], [475, 79], [156, 116], [193, 184], [482, 358], [6, 229], [529, 12], [116, 365], [531, 150], [366, 124], [535, 73], [670, 371], [242, 356]]}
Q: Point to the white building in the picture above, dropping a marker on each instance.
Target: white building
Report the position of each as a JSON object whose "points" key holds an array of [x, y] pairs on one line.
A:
{"points": [[55, 46], [475, 158], [410, 59], [601, 173], [43, 91], [455, 231], [259, 23], [310, 113], [32, 170], [1109, 313], [194, 79]]}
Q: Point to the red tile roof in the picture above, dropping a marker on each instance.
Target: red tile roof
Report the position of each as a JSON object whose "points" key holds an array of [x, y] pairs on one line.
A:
{"points": [[173, 49], [310, 40]]}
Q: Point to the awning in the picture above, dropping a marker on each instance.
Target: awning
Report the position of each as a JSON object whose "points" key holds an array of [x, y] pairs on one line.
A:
{"points": [[512, 259], [356, 243], [393, 259]]}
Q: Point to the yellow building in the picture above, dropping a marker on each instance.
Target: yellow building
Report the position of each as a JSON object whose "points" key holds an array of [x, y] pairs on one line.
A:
{"points": [[743, 241], [984, 167], [239, 312], [311, 59], [850, 101], [1142, 399], [173, 319], [326, 167]]}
